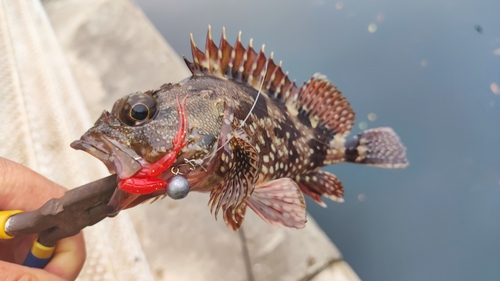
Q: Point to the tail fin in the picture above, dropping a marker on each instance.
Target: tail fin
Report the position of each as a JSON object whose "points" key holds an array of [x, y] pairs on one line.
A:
{"points": [[379, 147]]}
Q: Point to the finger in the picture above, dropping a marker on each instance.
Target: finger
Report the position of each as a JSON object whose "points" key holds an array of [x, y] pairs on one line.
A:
{"points": [[17, 182], [69, 257], [11, 271], [22, 188], [17, 249]]}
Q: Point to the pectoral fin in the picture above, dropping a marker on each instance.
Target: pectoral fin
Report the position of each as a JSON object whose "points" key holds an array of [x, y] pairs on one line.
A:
{"points": [[240, 166], [279, 202], [234, 215]]}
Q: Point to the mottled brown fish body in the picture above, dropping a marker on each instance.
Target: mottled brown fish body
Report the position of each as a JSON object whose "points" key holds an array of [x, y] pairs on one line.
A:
{"points": [[254, 138], [286, 145]]}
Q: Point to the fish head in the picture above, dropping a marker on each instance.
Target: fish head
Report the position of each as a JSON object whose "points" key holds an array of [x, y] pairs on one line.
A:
{"points": [[137, 131]]}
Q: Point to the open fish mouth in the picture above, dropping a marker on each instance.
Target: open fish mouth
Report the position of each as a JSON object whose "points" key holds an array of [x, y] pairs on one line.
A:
{"points": [[118, 158]]}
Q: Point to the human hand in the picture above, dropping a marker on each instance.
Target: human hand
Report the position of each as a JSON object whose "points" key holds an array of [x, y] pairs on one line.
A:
{"points": [[24, 189]]}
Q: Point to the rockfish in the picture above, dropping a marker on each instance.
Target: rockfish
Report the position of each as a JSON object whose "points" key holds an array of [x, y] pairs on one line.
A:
{"points": [[241, 130]]}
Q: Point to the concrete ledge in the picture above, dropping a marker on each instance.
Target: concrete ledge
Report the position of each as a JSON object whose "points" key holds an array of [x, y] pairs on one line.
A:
{"points": [[45, 112]]}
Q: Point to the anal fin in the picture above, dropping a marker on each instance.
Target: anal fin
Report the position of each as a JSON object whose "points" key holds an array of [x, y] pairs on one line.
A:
{"points": [[321, 183], [279, 202]]}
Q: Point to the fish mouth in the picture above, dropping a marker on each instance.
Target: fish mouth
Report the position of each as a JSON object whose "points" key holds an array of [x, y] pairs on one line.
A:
{"points": [[118, 158]]}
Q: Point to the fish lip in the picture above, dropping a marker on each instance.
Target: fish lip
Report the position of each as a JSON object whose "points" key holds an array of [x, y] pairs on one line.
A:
{"points": [[118, 158]]}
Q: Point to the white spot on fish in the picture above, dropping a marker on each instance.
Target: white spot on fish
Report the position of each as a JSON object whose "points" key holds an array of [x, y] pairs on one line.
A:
{"points": [[264, 170]]}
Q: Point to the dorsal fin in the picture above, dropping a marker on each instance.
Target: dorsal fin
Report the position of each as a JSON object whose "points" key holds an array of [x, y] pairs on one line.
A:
{"points": [[241, 65], [318, 99], [325, 105]]}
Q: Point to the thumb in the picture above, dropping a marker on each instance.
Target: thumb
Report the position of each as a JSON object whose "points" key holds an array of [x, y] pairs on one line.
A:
{"points": [[68, 259], [66, 263], [12, 271]]}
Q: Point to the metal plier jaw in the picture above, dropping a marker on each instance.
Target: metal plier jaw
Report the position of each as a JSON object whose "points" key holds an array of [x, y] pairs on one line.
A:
{"points": [[59, 218]]}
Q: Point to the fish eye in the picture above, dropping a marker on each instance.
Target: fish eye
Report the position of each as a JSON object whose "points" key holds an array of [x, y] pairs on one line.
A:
{"points": [[137, 109], [139, 112]]}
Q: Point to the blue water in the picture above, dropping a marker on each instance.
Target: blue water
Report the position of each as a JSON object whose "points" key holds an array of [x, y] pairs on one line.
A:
{"points": [[429, 70]]}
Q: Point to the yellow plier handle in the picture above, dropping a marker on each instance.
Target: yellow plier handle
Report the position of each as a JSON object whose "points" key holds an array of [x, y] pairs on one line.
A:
{"points": [[39, 255], [4, 218]]}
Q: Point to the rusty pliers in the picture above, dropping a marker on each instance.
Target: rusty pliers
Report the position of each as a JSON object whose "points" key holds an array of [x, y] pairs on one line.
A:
{"points": [[59, 218]]}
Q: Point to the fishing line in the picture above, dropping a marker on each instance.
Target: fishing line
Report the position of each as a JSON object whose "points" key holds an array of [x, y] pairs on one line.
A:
{"points": [[258, 95]]}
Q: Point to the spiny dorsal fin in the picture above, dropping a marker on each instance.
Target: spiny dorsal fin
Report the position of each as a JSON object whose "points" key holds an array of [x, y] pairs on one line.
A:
{"points": [[211, 53], [237, 61], [241, 65], [225, 50], [318, 99]]}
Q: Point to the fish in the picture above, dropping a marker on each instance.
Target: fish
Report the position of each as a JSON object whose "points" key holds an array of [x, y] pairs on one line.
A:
{"points": [[239, 129]]}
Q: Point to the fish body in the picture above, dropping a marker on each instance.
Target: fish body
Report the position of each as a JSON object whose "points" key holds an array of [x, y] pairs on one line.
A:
{"points": [[241, 130]]}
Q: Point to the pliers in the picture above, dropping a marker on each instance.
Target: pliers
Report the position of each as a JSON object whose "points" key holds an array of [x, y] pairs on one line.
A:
{"points": [[59, 218]]}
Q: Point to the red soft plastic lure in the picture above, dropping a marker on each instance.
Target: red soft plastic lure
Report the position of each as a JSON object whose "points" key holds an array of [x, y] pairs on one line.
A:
{"points": [[145, 181]]}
